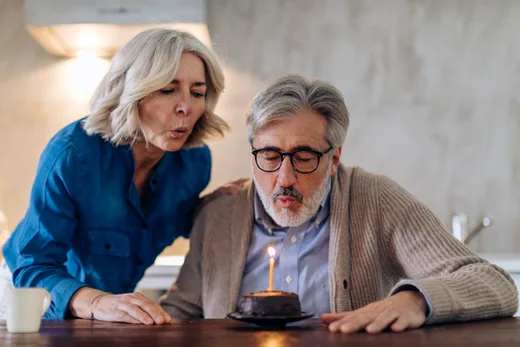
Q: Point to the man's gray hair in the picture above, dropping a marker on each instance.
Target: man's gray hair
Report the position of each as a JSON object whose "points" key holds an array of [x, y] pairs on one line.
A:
{"points": [[292, 94]]}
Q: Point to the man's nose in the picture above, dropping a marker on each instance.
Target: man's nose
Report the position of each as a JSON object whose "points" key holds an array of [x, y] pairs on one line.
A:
{"points": [[286, 173]]}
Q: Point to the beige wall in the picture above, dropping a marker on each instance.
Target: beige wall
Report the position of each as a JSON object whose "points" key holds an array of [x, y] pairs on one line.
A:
{"points": [[433, 88]]}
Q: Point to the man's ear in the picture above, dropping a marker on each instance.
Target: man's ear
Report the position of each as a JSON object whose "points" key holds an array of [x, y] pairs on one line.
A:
{"points": [[336, 159]]}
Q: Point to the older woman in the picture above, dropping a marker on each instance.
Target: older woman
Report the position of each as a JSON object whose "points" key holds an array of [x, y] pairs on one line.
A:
{"points": [[116, 188]]}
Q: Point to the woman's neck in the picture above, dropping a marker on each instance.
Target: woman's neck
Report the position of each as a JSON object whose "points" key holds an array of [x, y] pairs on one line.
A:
{"points": [[146, 157]]}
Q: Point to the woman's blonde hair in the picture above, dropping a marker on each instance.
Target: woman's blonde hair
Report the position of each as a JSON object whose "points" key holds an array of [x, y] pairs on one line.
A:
{"points": [[146, 64]]}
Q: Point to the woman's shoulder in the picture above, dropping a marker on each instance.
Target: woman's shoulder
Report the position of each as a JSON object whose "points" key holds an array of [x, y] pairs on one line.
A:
{"points": [[197, 157], [73, 138], [64, 155], [197, 167]]}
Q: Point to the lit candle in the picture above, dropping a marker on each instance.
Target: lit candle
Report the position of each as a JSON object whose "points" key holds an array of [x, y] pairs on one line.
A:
{"points": [[271, 268]]}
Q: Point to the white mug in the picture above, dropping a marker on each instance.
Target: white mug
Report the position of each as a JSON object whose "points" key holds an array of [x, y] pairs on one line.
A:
{"points": [[25, 309]]}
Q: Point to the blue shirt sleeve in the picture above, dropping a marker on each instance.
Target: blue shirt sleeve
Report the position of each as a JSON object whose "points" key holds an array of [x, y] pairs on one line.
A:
{"points": [[37, 250], [201, 161], [206, 169]]}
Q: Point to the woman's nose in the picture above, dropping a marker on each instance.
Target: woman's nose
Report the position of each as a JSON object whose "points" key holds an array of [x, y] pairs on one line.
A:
{"points": [[182, 108]]}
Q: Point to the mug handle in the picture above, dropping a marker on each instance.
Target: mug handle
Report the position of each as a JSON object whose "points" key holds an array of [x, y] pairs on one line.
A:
{"points": [[46, 300]]}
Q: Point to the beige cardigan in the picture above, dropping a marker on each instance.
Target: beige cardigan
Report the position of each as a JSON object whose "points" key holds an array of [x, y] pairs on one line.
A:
{"points": [[379, 235]]}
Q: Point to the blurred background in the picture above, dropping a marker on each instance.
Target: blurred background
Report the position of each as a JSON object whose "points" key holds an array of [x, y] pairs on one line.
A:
{"points": [[433, 88]]}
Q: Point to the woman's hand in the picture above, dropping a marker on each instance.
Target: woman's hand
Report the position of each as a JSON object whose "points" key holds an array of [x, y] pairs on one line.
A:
{"points": [[129, 308], [132, 308]]}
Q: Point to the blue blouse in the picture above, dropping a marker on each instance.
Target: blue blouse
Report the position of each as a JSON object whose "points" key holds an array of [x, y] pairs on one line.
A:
{"points": [[87, 226]]}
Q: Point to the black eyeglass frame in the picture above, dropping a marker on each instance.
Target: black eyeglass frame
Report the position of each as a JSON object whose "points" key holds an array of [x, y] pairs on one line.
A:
{"points": [[291, 156]]}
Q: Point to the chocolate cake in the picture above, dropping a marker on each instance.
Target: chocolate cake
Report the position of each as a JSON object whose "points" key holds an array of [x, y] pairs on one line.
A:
{"points": [[270, 303]]}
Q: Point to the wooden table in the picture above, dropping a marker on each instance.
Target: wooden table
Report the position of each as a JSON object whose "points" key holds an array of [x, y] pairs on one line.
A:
{"points": [[224, 332]]}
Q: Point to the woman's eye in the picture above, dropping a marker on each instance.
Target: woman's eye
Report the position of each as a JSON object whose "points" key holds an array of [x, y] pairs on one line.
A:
{"points": [[167, 91], [198, 94]]}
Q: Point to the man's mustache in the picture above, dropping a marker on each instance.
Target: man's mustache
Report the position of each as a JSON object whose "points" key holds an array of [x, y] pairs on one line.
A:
{"points": [[288, 191]]}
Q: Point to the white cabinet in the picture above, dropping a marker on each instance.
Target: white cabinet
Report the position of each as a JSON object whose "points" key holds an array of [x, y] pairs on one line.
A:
{"points": [[516, 277], [161, 275]]}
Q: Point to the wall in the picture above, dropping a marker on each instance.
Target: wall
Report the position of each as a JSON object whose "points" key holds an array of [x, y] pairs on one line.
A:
{"points": [[39, 94], [432, 87]]}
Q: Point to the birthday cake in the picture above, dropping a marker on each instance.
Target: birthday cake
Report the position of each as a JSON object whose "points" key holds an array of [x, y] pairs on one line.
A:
{"points": [[270, 303]]}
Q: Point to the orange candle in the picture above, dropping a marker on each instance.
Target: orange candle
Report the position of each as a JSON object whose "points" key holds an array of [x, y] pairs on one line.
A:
{"points": [[271, 268]]}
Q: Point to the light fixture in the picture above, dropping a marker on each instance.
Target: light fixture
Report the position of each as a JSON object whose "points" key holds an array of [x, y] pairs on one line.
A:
{"points": [[72, 27], [86, 54]]}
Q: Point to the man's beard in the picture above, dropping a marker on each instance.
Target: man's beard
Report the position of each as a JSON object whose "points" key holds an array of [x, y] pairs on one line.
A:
{"points": [[309, 206]]}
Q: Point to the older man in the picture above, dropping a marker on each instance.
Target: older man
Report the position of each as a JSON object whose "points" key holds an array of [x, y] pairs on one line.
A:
{"points": [[357, 248]]}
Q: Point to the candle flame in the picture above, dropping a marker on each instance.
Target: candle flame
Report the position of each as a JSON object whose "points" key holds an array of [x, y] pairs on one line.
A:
{"points": [[271, 251]]}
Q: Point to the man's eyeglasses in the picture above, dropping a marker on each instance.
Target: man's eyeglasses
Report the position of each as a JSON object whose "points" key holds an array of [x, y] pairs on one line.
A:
{"points": [[303, 161]]}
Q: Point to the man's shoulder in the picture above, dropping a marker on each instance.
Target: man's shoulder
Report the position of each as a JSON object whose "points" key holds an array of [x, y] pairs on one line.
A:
{"points": [[363, 179], [365, 187], [375, 186], [358, 178], [225, 204], [360, 172]]}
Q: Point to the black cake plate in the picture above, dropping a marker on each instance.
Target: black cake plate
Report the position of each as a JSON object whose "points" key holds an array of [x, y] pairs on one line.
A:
{"points": [[269, 321]]}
